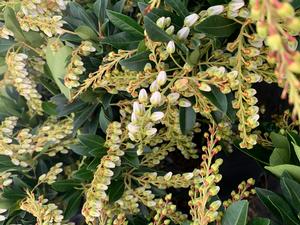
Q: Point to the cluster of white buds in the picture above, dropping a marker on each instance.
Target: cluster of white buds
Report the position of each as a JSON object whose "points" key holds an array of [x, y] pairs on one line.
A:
{"points": [[189, 21], [5, 33], [237, 8], [49, 25], [75, 68], [128, 202], [6, 130], [52, 133], [168, 180], [44, 213], [5, 179], [165, 23], [141, 128], [96, 197], [42, 7], [51, 176], [2, 217], [16, 63]]}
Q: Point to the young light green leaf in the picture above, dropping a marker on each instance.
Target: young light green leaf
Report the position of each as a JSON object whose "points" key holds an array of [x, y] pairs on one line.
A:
{"points": [[57, 62], [279, 156], [86, 33], [236, 214], [297, 150], [12, 24], [291, 169], [125, 23]]}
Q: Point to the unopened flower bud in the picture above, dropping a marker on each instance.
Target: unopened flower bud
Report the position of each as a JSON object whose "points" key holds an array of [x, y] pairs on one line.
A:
{"points": [[262, 29], [171, 47], [274, 42], [183, 33], [215, 10], [191, 19], [156, 116], [173, 97], [285, 10], [204, 87], [215, 205], [184, 103], [294, 25], [161, 78], [154, 86], [161, 22], [156, 98], [143, 96], [170, 30]]}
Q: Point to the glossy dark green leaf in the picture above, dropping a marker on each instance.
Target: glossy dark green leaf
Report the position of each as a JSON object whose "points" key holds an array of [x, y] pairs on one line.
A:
{"points": [[218, 2], [131, 158], [187, 119], [258, 153], [83, 174], [49, 108], [73, 204], [99, 8], [104, 120], [115, 190], [91, 141], [217, 98], [291, 192], [236, 214], [178, 7], [80, 150], [119, 6], [154, 32], [125, 23], [82, 116], [65, 185], [259, 221], [122, 40], [136, 62], [76, 12], [278, 206], [296, 4], [217, 26]]}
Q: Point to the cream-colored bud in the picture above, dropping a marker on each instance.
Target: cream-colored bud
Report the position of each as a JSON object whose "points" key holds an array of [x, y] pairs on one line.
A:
{"points": [[171, 47], [184, 103], [183, 33], [156, 98], [215, 10], [143, 96], [161, 78], [156, 116], [191, 19]]}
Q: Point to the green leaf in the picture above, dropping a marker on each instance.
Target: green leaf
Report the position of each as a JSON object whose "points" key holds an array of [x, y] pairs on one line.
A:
{"points": [[297, 150], [73, 204], [291, 191], [218, 2], [217, 98], [82, 116], [278, 206], [132, 159], [187, 119], [104, 120], [115, 190], [100, 10], [83, 174], [259, 221], [154, 32], [86, 33], [5, 44], [236, 214], [12, 24], [65, 185], [291, 169], [91, 141], [136, 62], [217, 26], [125, 23], [279, 141], [296, 4], [49, 108], [122, 40], [57, 62], [76, 12], [178, 7], [279, 156], [258, 153]]}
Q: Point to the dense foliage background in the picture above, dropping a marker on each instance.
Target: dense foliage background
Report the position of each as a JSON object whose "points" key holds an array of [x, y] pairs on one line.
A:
{"points": [[149, 112]]}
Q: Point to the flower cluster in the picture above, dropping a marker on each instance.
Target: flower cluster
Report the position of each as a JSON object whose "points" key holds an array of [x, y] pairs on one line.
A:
{"points": [[51, 176], [96, 197], [204, 187], [18, 74], [45, 213], [278, 24], [5, 33], [75, 68], [5, 179]]}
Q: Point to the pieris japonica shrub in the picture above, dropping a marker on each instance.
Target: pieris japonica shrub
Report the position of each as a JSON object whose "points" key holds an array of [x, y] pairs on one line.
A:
{"points": [[96, 95]]}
